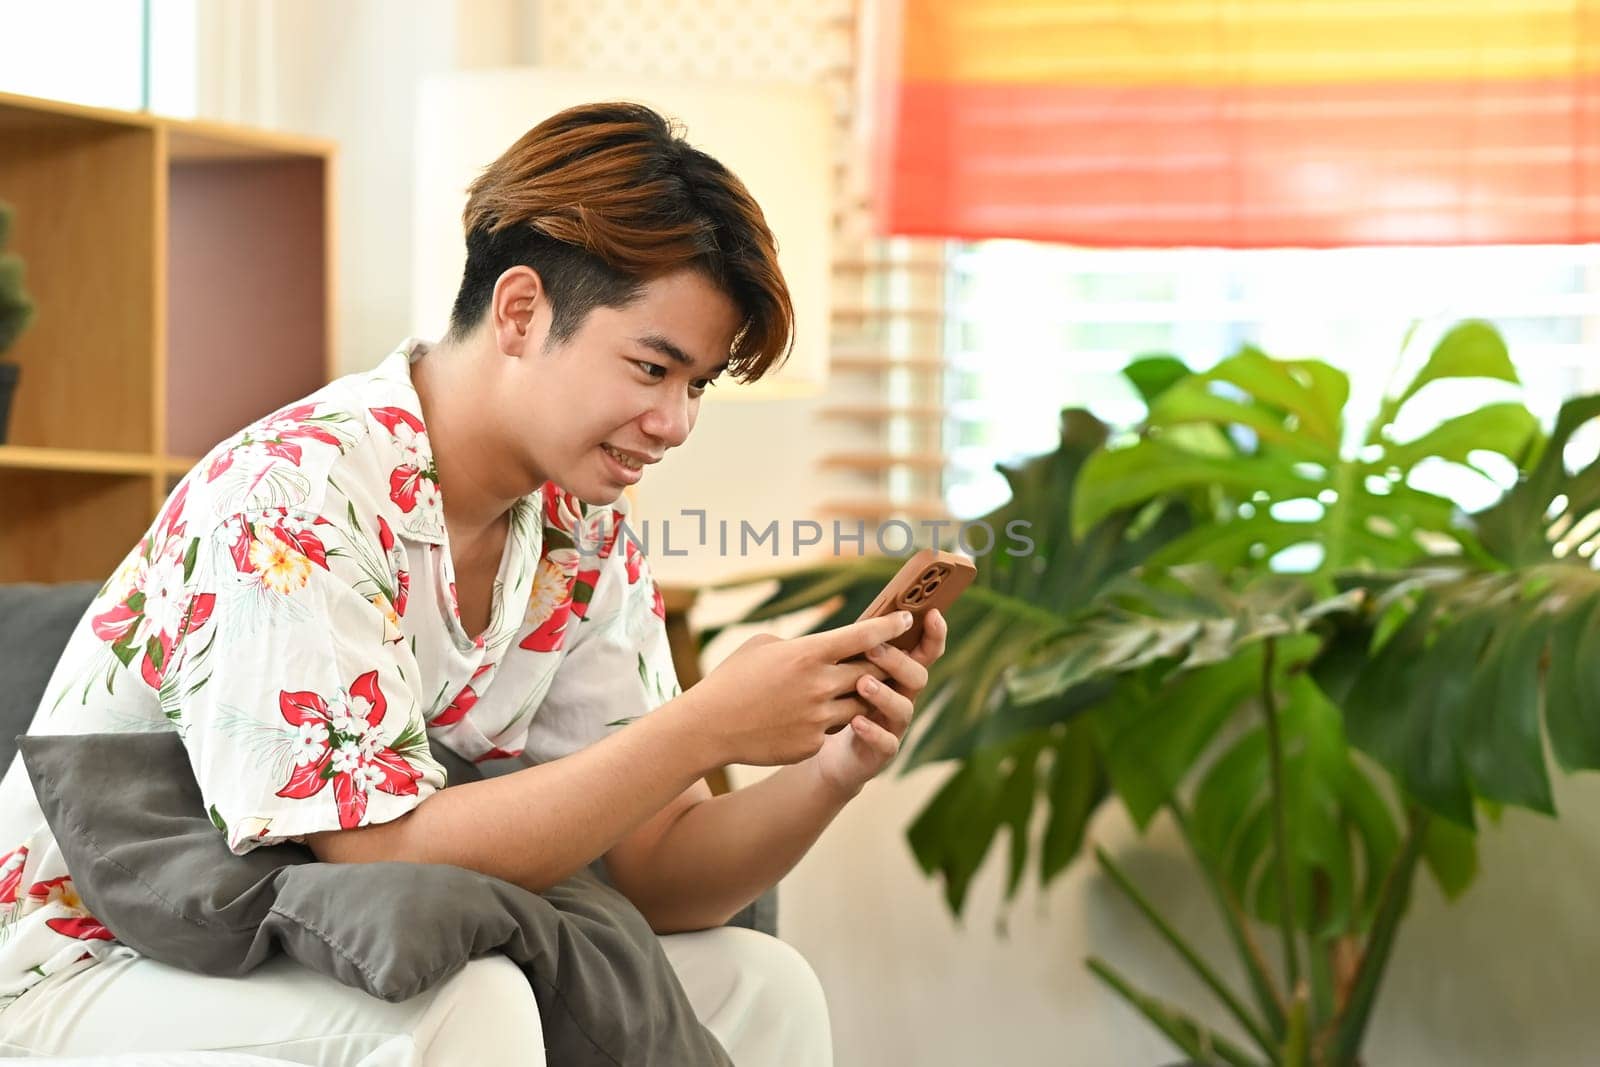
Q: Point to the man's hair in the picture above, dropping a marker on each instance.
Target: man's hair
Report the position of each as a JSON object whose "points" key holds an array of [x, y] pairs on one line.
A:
{"points": [[603, 198]]}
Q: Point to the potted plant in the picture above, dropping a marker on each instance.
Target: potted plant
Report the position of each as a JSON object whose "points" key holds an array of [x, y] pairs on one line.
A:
{"points": [[1290, 725], [15, 312]]}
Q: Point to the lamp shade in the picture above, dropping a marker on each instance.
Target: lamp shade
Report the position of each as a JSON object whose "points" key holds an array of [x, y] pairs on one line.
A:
{"points": [[778, 138]]}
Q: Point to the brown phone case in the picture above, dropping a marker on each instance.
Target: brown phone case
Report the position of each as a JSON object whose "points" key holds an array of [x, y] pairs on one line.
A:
{"points": [[930, 579]]}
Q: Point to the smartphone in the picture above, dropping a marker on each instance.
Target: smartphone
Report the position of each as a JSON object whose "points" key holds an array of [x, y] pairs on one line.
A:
{"points": [[929, 579]]}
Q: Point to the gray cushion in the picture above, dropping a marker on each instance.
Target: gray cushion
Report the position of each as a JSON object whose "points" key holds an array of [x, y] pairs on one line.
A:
{"points": [[35, 622], [147, 862]]}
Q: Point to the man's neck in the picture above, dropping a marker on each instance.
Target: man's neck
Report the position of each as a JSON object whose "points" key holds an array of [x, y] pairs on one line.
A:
{"points": [[475, 508]]}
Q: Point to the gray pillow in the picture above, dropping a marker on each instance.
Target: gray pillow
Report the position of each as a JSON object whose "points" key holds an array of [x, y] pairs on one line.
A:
{"points": [[149, 864]]}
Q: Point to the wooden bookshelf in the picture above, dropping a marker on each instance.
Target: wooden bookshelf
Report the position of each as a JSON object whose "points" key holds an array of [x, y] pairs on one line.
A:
{"points": [[876, 413], [880, 461], [883, 508], [883, 364], [182, 273]]}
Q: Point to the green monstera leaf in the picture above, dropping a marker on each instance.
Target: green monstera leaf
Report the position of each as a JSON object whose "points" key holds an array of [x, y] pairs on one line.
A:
{"points": [[1187, 658], [1465, 677], [1283, 478], [998, 789], [1342, 832], [1550, 512]]}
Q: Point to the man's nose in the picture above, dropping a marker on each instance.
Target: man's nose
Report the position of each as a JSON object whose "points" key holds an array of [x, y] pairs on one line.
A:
{"points": [[671, 420]]}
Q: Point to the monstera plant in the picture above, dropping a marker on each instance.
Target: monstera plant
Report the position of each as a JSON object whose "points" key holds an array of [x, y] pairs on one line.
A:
{"points": [[1317, 732]]}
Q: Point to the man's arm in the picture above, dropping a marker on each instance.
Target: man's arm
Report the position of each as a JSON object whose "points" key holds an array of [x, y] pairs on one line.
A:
{"points": [[538, 826], [699, 861]]}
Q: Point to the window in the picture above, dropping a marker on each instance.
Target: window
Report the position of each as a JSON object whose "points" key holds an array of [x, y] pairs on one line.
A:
{"points": [[104, 53], [1032, 328]]}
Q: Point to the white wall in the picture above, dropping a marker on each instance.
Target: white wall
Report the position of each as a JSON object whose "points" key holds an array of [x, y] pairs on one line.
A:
{"points": [[349, 71]]}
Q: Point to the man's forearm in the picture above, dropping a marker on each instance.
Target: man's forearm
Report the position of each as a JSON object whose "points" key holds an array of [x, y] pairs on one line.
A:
{"points": [[538, 826], [725, 852]]}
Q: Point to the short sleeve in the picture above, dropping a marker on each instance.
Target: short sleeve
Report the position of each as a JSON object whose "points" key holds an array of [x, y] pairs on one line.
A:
{"points": [[616, 669], [295, 696]]}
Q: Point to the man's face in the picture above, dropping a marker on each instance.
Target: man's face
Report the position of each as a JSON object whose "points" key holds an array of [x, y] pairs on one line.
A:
{"points": [[596, 411]]}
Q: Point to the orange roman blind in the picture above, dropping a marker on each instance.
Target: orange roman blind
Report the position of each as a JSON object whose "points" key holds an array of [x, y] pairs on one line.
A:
{"points": [[1244, 123]]}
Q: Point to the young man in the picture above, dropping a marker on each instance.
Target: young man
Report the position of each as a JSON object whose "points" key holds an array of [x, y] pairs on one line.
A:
{"points": [[431, 551]]}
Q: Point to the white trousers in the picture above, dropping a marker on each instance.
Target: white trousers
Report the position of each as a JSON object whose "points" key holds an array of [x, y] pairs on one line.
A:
{"points": [[755, 993]]}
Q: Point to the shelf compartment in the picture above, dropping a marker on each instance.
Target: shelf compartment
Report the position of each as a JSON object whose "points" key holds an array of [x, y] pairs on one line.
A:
{"points": [[61, 527], [884, 412], [248, 329], [877, 461], [884, 508], [84, 192], [879, 364]]}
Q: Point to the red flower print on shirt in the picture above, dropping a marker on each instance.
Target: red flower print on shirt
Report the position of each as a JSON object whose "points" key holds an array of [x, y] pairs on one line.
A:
{"points": [[11, 874], [633, 559], [156, 611], [301, 536], [658, 606], [463, 702], [279, 434], [610, 525], [393, 418], [550, 605], [339, 742], [80, 925], [402, 592], [583, 591], [396, 591], [562, 510], [279, 549], [415, 479], [219, 465], [171, 523]]}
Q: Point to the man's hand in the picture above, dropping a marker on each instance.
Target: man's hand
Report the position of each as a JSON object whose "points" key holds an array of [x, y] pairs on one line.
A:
{"points": [[849, 759], [772, 701]]}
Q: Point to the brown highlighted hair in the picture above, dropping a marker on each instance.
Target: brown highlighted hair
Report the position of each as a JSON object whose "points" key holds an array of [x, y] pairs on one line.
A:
{"points": [[603, 198]]}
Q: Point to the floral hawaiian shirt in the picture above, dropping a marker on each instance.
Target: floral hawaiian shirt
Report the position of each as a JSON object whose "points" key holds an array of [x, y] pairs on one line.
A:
{"points": [[292, 615]]}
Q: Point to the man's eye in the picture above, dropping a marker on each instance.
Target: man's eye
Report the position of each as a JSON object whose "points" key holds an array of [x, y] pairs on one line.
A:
{"points": [[651, 368], [700, 385]]}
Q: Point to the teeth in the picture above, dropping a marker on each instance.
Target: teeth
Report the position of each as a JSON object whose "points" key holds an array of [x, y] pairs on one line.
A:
{"points": [[625, 460]]}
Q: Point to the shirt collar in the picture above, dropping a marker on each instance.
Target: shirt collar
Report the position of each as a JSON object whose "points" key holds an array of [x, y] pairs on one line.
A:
{"points": [[415, 506], [397, 409]]}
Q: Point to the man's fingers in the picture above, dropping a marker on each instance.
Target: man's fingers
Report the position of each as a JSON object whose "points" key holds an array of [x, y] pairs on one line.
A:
{"points": [[935, 630], [908, 674], [856, 638], [895, 707], [843, 677], [841, 710], [876, 737]]}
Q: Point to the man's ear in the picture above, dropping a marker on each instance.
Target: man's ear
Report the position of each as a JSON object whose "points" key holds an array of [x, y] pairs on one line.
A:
{"points": [[519, 312]]}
